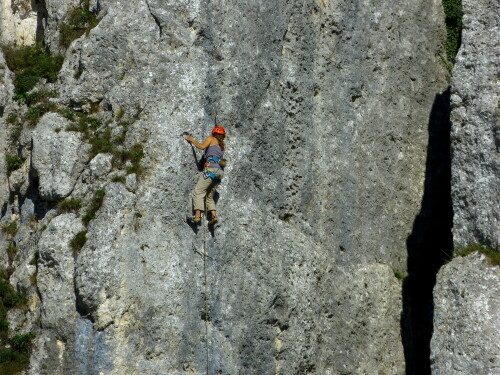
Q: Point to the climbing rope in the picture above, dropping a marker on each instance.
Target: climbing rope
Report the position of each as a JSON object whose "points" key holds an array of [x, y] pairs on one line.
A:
{"points": [[205, 255]]}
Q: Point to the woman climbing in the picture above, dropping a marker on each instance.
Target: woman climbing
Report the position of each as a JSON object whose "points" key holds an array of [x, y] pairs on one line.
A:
{"points": [[210, 178]]}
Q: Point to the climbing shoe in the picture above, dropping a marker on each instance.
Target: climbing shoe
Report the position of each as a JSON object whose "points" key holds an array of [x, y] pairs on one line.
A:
{"points": [[194, 220], [213, 221]]}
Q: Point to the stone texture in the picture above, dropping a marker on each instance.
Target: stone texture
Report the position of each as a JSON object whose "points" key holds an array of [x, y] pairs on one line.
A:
{"points": [[56, 268], [55, 283], [326, 105], [467, 330], [59, 157], [100, 165], [475, 132], [18, 22], [5, 94]]}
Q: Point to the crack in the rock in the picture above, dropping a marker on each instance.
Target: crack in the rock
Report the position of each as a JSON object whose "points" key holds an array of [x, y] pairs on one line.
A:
{"points": [[156, 19]]}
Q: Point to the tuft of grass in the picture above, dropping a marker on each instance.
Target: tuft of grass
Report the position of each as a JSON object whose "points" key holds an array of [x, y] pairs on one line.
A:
{"points": [[13, 163], [454, 14], [30, 64], [85, 125], [11, 119], [134, 155], [39, 97], [10, 228], [101, 143], [14, 356], [68, 113], [400, 275], [78, 241], [69, 205], [34, 260], [12, 251], [15, 133], [118, 179], [9, 299], [78, 22], [119, 113], [12, 362], [22, 342], [492, 255], [78, 73], [95, 205], [39, 105], [94, 107]]}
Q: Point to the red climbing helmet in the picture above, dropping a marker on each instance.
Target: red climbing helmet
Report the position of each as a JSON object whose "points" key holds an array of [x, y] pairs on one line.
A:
{"points": [[218, 130]]}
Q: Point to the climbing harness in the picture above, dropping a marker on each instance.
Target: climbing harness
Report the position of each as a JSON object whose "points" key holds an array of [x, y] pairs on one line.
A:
{"points": [[212, 175], [207, 174]]}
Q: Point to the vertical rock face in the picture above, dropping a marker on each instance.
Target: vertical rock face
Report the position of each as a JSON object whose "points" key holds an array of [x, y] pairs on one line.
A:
{"points": [[326, 105], [5, 95], [58, 157], [18, 21], [476, 135], [466, 328]]}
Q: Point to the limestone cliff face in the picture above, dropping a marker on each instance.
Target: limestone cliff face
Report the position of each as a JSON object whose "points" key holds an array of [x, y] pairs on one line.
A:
{"points": [[475, 135], [18, 21], [466, 329], [327, 107], [466, 332]]}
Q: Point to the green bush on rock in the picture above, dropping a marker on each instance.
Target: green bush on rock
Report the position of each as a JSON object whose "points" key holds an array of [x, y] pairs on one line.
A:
{"points": [[13, 163], [30, 64], [79, 21], [453, 12]]}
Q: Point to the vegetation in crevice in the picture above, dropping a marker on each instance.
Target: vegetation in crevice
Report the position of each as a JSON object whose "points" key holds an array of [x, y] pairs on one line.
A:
{"points": [[492, 255], [79, 21], [401, 276], [15, 350], [120, 179], [11, 252], [81, 122], [94, 206], [102, 140], [78, 241], [39, 104], [454, 14], [69, 205], [30, 64], [13, 163], [10, 228]]}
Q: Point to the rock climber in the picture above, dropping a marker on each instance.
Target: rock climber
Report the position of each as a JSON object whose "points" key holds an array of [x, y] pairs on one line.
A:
{"points": [[211, 176]]}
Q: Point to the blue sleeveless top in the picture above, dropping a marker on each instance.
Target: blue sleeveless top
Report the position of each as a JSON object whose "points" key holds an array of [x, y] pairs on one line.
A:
{"points": [[215, 151]]}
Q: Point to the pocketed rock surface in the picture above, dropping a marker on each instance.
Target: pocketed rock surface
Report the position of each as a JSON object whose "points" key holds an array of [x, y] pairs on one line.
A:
{"points": [[475, 129], [327, 106], [466, 329]]}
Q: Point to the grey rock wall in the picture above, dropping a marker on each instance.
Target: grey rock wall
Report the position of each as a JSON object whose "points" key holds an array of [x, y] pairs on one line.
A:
{"points": [[465, 338], [326, 105], [467, 331], [5, 96], [475, 134], [58, 157]]}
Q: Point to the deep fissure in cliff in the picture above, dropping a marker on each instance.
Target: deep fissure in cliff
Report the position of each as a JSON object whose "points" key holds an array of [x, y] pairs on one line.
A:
{"points": [[430, 243]]}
